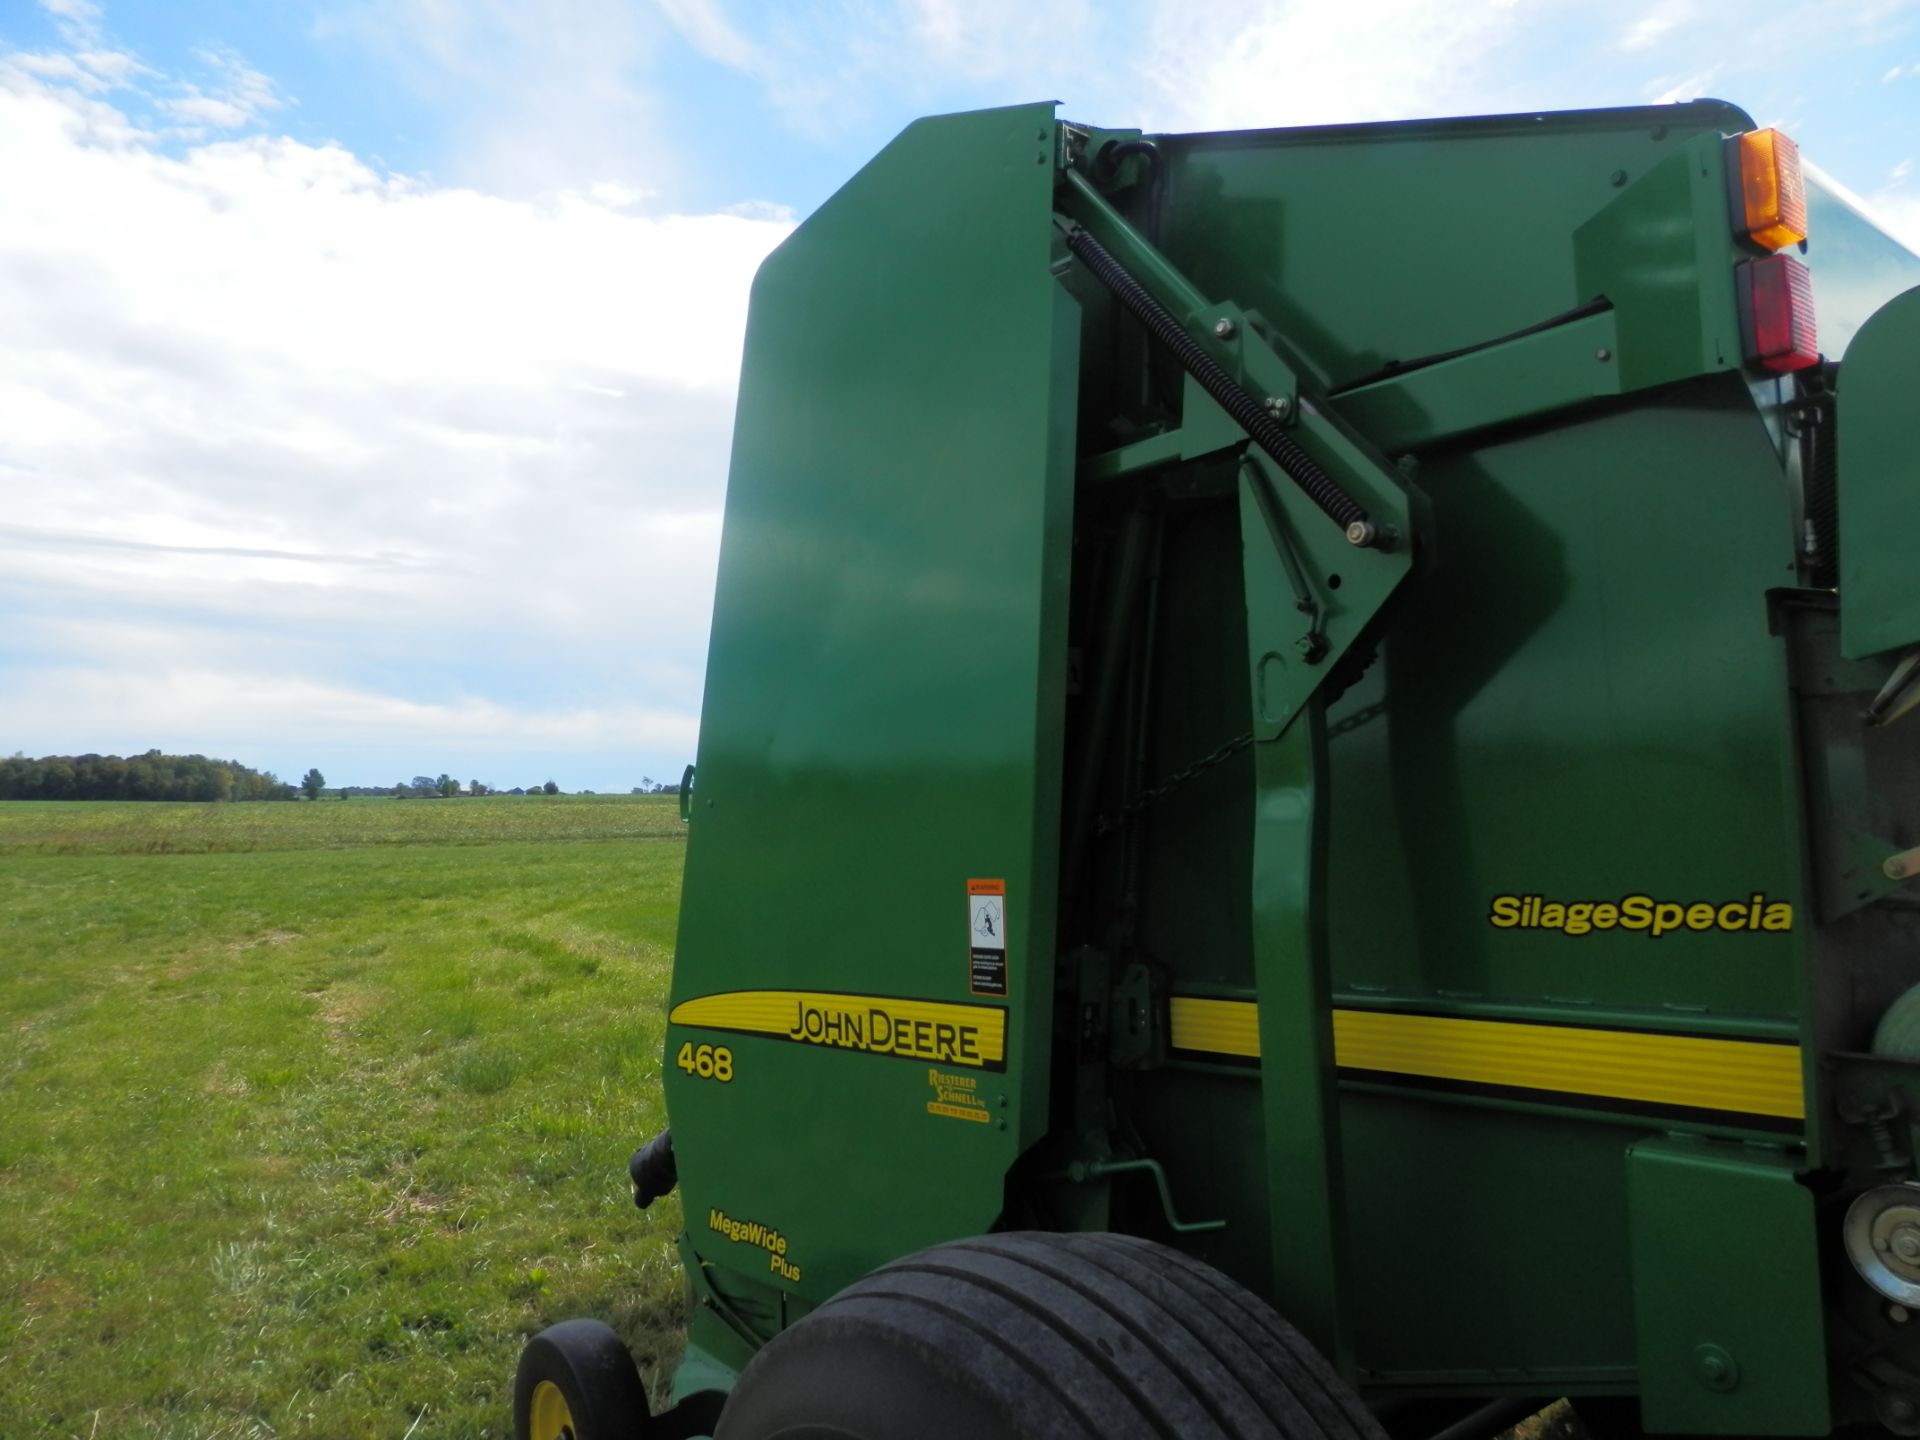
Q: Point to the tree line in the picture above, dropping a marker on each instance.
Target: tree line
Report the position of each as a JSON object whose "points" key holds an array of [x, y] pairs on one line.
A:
{"points": [[427, 787], [151, 776], [424, 787], [154, 776]]}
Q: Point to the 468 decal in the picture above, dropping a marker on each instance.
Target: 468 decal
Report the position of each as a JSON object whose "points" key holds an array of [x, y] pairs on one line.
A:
{"points": [[706, 1062]]}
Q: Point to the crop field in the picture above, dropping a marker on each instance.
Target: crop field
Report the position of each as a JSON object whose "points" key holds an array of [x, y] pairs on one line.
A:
{"points": [[146, 828], [310, 1113]]}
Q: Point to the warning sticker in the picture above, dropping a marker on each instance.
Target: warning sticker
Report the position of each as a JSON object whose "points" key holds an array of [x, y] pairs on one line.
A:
{"points": [[987, 936]]}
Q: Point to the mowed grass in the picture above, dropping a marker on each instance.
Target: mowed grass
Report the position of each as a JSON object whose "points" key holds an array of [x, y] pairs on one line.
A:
{"points": [[311, 1113]]}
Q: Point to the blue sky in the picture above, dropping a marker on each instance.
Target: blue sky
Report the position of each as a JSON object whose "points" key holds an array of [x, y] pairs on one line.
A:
{"points": [[365, 395]]}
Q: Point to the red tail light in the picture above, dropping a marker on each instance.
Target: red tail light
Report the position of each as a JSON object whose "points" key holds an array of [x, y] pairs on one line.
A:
{"points": [[1776, 314]]}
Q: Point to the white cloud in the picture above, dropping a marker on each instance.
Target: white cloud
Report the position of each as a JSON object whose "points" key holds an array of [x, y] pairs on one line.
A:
{"points": [[1654, 26], [703, 26], [1242, 63], [243, 96], [323, 426], [351, 424], [78, 20], [180, 706], [990, 39], [1256, 63], [545, 97], [1668, 91], [93, 72], [827, 67]]}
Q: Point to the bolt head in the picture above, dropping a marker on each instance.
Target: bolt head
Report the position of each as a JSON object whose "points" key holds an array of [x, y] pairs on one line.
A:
{"points": [[1714, 1368], [1603, 354], [1223, 328], [1361, 532]]}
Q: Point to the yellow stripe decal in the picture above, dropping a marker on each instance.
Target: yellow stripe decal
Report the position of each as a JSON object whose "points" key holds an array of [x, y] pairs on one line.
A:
{"points": [[972, 1035], [1745, 1076], [1219, 1027]]}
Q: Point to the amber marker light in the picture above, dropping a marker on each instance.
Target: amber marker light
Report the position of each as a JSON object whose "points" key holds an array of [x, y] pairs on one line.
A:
{"points": [[1769, 194]]}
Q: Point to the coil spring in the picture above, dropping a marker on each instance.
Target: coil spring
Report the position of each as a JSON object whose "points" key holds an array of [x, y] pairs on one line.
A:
{"points": [[1248, 413]]}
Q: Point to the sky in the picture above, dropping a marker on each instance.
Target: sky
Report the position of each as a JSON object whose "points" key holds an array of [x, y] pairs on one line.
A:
{"points": [[367, 369]]}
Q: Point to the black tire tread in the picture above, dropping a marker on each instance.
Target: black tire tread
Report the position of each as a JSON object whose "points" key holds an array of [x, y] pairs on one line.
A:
{"points": [[1197, 1372], [1042, 1326], [594, 1370], [1310, 1377], [1195, 1309], [1105, 1336], [1044, 1379]]}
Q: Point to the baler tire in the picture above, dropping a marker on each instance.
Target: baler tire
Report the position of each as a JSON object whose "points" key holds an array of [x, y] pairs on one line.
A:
{"points": [[1032, 1336], [597, 1381]]}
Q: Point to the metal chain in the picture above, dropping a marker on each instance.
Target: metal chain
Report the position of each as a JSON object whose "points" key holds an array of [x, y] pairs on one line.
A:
{"points": [[1107, 824]]}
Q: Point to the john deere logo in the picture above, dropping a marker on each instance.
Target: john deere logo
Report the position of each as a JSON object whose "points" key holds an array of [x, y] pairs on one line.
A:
{"points": [[927, 1030]]}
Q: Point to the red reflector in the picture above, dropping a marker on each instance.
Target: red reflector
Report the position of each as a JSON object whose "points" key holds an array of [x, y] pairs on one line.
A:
{"points": [[1776, 314]]}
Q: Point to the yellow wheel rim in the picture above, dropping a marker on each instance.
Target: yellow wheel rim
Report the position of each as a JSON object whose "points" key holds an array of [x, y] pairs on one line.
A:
{"points": [[549, 1416]]}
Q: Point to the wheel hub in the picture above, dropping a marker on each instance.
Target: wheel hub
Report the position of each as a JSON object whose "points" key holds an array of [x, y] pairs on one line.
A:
{"points": [[550, 1417], [1883, 1240]]}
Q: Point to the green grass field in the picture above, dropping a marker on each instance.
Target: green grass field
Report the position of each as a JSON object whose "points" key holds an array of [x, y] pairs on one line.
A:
{"points": [[310, 1113]]}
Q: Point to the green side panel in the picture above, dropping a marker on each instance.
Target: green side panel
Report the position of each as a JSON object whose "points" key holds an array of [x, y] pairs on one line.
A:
{"points": [[1577, 696], [1365, 244], [883, 711], [1726, 1292], [1569, 705], [1573, 705], [1880, 482], [1486, 1249]]}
